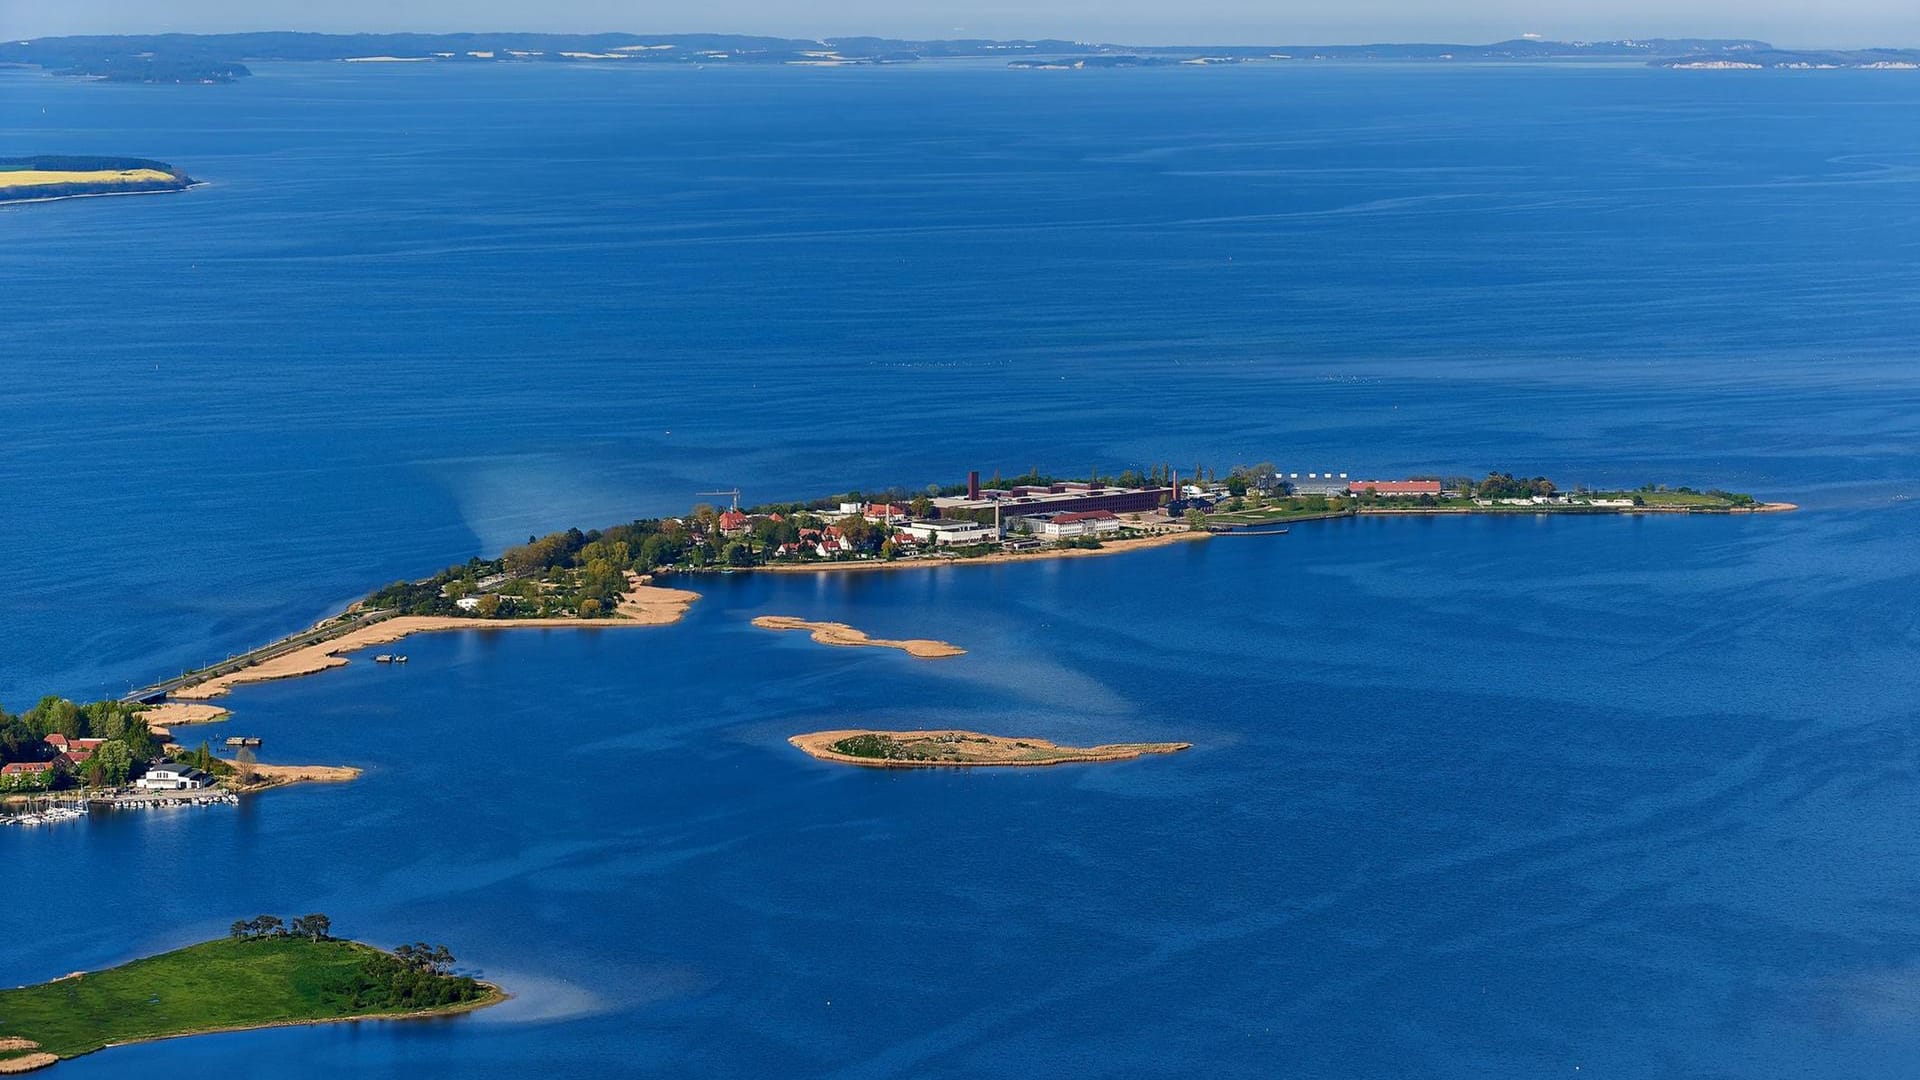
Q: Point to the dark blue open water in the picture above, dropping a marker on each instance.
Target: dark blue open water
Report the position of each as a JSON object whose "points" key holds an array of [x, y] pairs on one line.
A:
{"points": [[1480, 798]]}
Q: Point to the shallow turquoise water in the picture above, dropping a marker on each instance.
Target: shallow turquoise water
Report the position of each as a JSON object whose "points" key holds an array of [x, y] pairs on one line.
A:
{"points": [[1468, 798]]}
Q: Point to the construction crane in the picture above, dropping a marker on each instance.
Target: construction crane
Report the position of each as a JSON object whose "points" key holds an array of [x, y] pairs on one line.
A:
{"points": [[734, 494]]}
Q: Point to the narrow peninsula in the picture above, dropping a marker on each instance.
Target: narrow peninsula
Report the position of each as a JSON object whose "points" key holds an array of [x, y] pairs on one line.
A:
{"points": [[834, 633], [319, 649], [965, 749], [607, 577], [266, 973], [50, 177]]}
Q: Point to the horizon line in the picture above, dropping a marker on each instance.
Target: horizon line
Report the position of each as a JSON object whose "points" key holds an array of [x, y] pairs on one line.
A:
{"points": [[960, 34]]}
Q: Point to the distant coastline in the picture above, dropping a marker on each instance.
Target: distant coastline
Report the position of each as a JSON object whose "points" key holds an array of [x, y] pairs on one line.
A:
{"points": [[218, 58]]}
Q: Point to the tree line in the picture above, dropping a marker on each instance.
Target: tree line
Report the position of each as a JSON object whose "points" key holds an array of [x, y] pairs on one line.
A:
{"points": [[412, 976]]}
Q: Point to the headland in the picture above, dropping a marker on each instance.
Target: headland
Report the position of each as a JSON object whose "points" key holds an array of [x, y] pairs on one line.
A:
{"points": [[50, 177], [965, 749]]}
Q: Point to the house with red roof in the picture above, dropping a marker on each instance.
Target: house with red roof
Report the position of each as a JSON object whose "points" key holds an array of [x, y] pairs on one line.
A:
{"points": [[1073, 524], [28, 775], [1395, 489]]}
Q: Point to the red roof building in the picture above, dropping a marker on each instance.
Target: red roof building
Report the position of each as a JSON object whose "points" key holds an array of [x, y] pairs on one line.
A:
{"points": [[1395, 487], [732, 521], [1085, 515], [57, 741], [26, 768]]}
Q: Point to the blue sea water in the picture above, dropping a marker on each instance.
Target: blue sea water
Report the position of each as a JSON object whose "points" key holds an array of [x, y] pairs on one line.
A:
{"points": [[1477, 798]]}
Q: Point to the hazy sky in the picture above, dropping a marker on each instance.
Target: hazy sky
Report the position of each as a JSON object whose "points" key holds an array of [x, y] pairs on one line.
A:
{"points": [[1784, 22]]}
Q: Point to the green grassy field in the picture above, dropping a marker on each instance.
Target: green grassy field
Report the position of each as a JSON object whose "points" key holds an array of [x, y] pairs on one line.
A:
{"points": [[213, 986], [1269, 515], [1674, 498]]}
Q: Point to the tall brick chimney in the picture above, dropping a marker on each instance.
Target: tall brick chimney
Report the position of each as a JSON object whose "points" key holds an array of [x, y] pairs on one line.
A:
{"points": [[973, 484]]}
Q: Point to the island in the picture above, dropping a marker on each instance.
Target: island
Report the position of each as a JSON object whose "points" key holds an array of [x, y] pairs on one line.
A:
{"points": [[964, 749], [266, 973], [834, 633], [49, 177]]}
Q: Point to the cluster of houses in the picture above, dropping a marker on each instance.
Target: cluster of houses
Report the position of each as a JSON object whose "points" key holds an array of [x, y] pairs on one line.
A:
{"points": [[71, 755], [1070, 511], [944, 528], [68, 756]]}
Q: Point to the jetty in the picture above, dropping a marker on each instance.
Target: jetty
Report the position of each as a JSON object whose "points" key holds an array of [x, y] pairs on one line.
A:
{"points": [[56, 810]]}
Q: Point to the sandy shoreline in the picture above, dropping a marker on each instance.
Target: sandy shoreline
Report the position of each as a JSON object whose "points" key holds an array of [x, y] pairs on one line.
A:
{"points": [[840, 634], [1113, 547], [981, 751], [26, 1063], [173, 714], [644, 605], [282, 775]]}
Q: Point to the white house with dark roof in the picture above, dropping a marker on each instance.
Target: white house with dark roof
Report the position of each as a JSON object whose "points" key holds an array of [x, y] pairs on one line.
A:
{"points": [[170, 776]]}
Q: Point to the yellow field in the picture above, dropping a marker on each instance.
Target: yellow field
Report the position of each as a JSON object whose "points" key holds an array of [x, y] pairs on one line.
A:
{"points": [[44, 177]]}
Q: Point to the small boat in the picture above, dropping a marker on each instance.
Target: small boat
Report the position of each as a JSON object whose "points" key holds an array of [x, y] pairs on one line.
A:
{"points": [[383, 658], [400, 659]]}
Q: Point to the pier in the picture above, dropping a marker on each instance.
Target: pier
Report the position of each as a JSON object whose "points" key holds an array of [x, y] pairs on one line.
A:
{"points": [[48, 810]]}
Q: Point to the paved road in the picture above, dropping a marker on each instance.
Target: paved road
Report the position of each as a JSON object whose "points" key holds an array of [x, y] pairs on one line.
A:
{"points": [[318, 634]]}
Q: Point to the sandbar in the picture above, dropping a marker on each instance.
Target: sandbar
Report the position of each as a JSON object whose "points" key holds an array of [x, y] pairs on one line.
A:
{"points": [[833, 633], [173, 714], [277, 775], [964, 749], [643, 605]]}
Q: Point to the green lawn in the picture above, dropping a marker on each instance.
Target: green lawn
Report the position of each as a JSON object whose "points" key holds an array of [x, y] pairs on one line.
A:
{"points": [[206, 987], [1268, 515]]}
